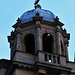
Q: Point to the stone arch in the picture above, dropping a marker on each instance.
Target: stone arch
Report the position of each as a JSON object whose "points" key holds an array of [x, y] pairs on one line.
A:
{"points": [[48, 31], [29, 42], [61, 47], [47, 41]]}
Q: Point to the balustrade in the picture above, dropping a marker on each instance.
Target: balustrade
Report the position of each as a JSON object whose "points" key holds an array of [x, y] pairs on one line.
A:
{"points": [[52, 58]]}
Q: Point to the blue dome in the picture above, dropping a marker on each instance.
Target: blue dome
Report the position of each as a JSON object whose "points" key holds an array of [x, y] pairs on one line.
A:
{"points": [[28, 16]]}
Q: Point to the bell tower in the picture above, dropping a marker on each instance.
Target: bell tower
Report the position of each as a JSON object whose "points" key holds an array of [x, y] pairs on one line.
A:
{"points": [[39, 44]]}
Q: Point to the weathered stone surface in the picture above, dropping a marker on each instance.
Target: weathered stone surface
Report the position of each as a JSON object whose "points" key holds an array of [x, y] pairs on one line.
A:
{"points": [[23, 72]]}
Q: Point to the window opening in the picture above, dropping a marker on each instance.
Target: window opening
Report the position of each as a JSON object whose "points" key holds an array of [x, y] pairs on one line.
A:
{"points": [[62, 48], [47, 42], [30, 43]]}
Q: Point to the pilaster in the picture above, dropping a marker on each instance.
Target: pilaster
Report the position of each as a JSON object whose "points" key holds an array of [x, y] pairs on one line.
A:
{"points": [[58, 43], [18, 39], [38, 39]]}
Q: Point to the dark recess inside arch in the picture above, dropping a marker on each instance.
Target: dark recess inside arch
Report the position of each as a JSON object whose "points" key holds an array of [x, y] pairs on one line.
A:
{"points": [[30, 43], [47, 42]]}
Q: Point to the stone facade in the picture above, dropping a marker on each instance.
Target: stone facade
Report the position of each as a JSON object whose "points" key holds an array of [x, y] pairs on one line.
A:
{"points": [[39, 60]]}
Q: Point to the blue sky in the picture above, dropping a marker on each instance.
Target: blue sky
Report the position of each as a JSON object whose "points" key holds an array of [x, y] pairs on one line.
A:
{"points": [[10, 10]]}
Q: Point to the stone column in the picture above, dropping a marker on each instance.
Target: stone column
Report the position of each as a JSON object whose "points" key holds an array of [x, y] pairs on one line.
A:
{"points": [[58, 43], [54, 47], [38, 39], [12, 47], [18, 39]]}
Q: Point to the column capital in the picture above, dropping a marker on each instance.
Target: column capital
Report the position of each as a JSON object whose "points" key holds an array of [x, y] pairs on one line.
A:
{"points": [[58, 29]]}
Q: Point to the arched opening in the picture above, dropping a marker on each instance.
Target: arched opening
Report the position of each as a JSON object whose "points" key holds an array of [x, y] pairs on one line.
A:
{"points": [[30, 43], [47, 42], [62, 48]]}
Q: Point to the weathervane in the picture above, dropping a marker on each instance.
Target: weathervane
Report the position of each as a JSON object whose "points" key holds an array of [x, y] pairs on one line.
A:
{"points": [[36, 2]]}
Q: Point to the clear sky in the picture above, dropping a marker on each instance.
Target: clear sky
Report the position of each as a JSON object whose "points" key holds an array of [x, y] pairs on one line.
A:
{"points": [[10, 10]]}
